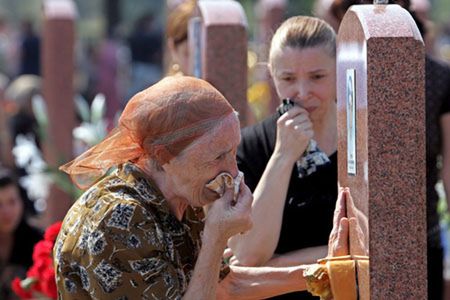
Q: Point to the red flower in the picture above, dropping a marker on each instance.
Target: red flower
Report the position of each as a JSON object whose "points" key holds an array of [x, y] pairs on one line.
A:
{"points": [[41, 275], [52, 232], [48, 283], [17, 288], [39, 266], [43, 249]]}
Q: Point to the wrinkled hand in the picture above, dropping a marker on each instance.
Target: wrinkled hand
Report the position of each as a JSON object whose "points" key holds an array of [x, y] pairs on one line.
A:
{"points": [[235, 285], [247, 283], [294, 130], [350, 228], [338, 240], [358, 227], [225, 219]]}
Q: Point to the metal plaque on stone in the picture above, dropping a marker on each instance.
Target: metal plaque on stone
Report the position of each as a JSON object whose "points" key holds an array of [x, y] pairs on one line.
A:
{"points": [[351, 122], [195, 40]]}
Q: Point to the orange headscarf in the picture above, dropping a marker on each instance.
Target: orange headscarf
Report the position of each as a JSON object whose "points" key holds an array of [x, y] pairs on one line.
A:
{"points": [[157, 123]]}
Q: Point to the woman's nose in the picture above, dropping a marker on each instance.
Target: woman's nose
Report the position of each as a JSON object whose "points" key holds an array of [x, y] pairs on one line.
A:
{"points": [[232, 167], [303, 91]]}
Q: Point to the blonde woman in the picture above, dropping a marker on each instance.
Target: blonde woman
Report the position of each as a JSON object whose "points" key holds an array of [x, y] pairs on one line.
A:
{"points": [[292, 216]]}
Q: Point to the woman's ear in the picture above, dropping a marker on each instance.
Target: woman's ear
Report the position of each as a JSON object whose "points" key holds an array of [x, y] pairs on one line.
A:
{"points": [[172, 49]]}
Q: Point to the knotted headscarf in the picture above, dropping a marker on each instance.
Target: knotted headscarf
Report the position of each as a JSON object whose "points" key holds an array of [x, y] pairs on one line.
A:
{"points": [[157, 123]]}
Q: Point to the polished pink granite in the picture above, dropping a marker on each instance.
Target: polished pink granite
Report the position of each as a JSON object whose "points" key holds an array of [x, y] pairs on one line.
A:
{"points": [[384, 47], [224, 51], [58, 91]]}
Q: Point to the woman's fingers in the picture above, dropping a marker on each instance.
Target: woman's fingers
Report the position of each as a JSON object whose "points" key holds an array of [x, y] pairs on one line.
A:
{"points": [[357, 238], [340, 209], [339, 246], [245, 197], [227, 253], [350, 205]]}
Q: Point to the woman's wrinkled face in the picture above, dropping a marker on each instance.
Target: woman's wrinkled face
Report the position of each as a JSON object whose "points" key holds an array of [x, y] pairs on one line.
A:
{"points": [[11, 209], [207, 157], [308, 77]]}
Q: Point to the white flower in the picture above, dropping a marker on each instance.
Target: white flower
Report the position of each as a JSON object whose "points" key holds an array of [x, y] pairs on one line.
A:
{"points": [[27, 156], [37, 185], [93, 128], [36, 165], [85, 133], [98, 108], [440, 189], [25, 150]]}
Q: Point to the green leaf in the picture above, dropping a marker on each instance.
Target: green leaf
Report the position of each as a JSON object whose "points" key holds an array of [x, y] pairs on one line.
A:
{"points": [[98, 108], [28, 282], [39, 108], [82, 108]]}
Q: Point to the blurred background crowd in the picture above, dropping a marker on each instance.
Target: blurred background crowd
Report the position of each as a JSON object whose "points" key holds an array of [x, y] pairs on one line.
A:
{"points": [[121, 48]]}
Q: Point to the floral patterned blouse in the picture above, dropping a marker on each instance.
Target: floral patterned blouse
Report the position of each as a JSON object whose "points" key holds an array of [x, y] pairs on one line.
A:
{"points": [[119, 241]]}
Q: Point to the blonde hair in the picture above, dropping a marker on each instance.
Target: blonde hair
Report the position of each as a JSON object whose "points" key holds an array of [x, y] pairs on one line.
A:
{"points": [[178, 19], [303, 32]]}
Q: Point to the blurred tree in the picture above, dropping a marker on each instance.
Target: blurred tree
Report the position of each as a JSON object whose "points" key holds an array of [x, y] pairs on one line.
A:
{"points": [[440, 11]]}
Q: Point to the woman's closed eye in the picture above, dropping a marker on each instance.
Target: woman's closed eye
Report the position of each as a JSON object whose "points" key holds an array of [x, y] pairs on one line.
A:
{"points": [[287, 78], [224, 155], [318, 76], [220, 156]]}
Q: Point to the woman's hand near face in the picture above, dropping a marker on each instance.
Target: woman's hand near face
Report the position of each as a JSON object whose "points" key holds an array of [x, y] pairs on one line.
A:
{"points": [[294, 130], [225, 219], [222, 221]]}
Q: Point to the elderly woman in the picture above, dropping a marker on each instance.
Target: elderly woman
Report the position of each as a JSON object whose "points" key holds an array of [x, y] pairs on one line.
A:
{"points": [[136, 234]]}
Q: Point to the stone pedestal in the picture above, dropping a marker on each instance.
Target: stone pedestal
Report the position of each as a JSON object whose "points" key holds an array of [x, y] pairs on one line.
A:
{"points": [[224, 51], [58, 91], [381, 148]]}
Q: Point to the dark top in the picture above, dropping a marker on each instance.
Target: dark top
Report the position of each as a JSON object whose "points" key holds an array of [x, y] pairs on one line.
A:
{"points": [[20, 260], [30, 59], [146, 47], [437, 81], [310, 201]]}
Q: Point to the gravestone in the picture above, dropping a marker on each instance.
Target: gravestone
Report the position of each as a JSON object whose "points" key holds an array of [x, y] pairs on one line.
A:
{"points": [[222, 48], [58, 91], [381, 144], [270, 14]]}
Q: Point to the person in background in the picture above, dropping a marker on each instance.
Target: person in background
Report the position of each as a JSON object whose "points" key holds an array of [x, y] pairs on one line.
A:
{"points": [[177, 36], [145, 43], [29, 50], [21, 119], [20, 93], [6, 157], [292, 216], [16, 236], [177, 42]]}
